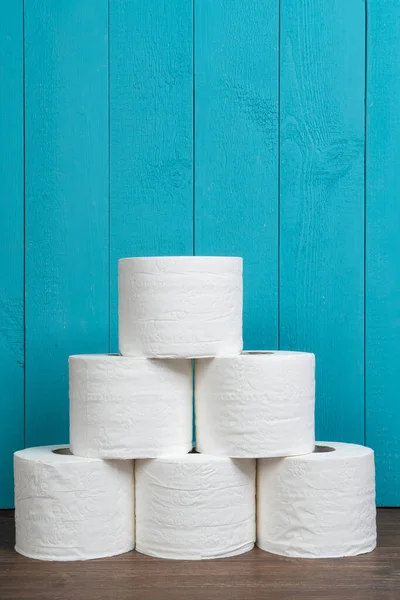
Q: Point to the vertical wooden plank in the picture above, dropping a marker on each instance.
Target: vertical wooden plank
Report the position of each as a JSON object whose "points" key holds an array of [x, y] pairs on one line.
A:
{"points": [[383, 246], [322, 203], [67, 309], [236, 149], [11, 243], [151, 109]]}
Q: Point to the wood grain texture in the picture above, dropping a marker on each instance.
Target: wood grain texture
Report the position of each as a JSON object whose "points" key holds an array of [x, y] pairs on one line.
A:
{"points": [[252, 576], [11, 242], [151, 110], [322, 203], [383, 246], [66, 275], [236, 149]]}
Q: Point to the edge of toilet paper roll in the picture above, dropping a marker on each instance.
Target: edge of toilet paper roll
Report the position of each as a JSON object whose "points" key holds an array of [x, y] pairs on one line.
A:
{"points": [[102, 356], [98, 355], [181, 258], [72, 558], [230, 353], [121, 357], [142, 454], [193, 457], [338, 447], [358, 450], [272, 549], [236, 552], [276, 353], [126, 356], [270, 354], [170, 356], [113, 357], [46, 454], [282, 453]]}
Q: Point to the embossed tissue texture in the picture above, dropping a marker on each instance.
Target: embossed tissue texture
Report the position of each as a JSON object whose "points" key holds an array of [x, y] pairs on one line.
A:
{"points": [[195, 507], [320, 505], [123, 407], [255, 404], [71, 508], [185, 306]]}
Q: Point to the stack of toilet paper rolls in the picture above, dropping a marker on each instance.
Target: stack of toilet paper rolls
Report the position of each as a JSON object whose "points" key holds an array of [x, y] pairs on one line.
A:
{"points": [[257, 474]]}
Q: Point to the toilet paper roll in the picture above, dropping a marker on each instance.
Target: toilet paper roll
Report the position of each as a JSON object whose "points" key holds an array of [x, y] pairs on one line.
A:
{"points": [[320, 505], [257, 404], [195, 507], [71, 508], [180, 306], [123, 407]]}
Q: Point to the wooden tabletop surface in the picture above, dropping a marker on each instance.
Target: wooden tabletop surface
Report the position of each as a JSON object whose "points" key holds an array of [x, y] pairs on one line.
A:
{"points": [[255, 575]]}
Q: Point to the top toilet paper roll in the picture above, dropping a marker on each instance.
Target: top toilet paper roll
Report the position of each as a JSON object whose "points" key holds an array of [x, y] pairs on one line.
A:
{"points": [[72, 508], [180, 306], [320, 505], [257, 404], [195, 506], [124, 407]]}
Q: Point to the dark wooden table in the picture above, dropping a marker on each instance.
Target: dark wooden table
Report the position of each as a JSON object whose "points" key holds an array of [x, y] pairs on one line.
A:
{"points": [[254, 575]]}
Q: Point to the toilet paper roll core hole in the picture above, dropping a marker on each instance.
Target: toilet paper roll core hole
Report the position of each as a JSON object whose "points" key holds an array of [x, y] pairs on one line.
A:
{"points": [[323, 449], [65, 451], [258, 352]]}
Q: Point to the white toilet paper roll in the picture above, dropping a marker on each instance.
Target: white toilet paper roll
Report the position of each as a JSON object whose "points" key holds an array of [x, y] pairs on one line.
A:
{"points": [[180, 306], [320, 505], [122, 407], [195, 507], [257, 404], [71, 508]]}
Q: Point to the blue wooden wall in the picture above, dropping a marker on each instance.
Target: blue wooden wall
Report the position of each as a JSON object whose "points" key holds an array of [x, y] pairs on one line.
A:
{"points": [[268, 129]]}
